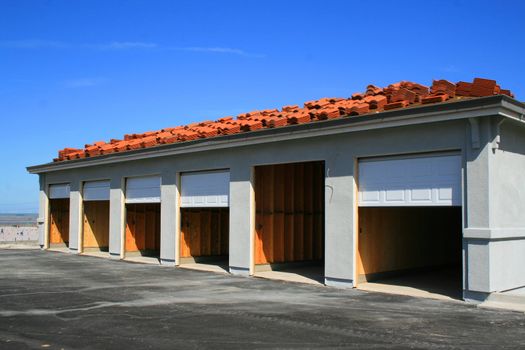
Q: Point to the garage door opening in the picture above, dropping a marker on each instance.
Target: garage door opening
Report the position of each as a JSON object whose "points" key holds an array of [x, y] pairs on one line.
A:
{"points": [[289, 222], [412, 247], [142, 236], [143, 230], [96, 226], [95, 232], [59, 216], [204, 231], [410, 226]]}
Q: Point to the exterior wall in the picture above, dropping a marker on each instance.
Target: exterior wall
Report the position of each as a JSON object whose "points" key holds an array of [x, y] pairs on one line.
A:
{"points": [[340, 153], [507, 245], [494, 237]]}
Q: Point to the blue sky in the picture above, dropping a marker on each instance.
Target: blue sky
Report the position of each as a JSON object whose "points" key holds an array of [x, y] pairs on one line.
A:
{"points": [[74, 72]]}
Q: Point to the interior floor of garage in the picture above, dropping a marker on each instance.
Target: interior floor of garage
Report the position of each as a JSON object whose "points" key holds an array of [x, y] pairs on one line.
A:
{"points": [[152, 260], [312, 274], [219, 266], [58, 248], [97, 253], [442, 283]]}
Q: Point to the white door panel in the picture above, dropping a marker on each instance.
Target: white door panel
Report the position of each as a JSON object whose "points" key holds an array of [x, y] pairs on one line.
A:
{"points": [[59, 191], [416, 181], [205, 189], [96, 191], [143, 189]]}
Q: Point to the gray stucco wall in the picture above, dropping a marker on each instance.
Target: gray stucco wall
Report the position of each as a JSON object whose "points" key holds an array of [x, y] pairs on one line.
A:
{"points": [[507, 247], [494, 239], [341, 153]]}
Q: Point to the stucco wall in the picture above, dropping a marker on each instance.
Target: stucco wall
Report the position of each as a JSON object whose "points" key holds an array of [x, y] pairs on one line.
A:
{"points": [[507, 250], [340, 153], [508, 178]]}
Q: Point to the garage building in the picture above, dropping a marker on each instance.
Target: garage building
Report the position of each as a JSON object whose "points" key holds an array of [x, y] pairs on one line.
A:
{"points": [[406, 180]]}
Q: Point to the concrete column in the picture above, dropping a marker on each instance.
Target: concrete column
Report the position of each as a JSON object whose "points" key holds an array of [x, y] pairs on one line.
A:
{"points": [[75, 217], [168, 218], [43, 214], [477, 202], [339, 222], [494, 238], [242, 220], [116, 218]]}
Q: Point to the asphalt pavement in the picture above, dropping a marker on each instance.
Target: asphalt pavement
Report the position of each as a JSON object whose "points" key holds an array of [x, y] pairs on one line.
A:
{"points": [[52, 300]]}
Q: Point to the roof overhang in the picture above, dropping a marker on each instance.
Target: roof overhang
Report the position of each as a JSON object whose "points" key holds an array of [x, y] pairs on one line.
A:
{"points": [[499, 105]]}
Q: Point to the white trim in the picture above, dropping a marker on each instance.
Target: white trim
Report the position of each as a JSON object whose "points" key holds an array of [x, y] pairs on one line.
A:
{"points": [[494, 233]]}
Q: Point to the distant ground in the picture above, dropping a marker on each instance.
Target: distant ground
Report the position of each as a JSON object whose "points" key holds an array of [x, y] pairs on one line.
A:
{"points": [[18, 228], [18, 219]]}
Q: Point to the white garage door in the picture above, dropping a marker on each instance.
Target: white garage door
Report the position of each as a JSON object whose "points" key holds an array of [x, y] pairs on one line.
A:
{"points": [[205, 189], [143, 189], [96, 191], [59, 191], [411, 181]]}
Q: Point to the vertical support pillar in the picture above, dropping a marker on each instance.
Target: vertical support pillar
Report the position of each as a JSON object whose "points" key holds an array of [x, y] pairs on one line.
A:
{"points": [[177, 218], [477, 202], [242, 220], [43, 214], [75, 217], [339, 222], [116, 218], [168, 218]]}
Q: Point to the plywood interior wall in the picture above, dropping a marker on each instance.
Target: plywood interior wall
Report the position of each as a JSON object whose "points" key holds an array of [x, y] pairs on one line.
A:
{"points": [[289, 210], [142, 227], [392, 239], [59, 221], [96, 225], [204, 232]]}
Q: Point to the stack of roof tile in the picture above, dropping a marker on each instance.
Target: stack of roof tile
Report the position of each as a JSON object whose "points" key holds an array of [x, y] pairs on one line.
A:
{"points": [[373, 100]]}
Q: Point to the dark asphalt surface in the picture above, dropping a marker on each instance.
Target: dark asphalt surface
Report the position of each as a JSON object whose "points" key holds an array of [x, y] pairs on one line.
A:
{"points": [[53, 300]]}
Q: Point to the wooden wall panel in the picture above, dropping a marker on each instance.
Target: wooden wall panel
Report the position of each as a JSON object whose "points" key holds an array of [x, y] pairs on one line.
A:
{"points": [[59, 221], [400, 238], [142, 227], [204, 232], [96, 224], [289, 212]]}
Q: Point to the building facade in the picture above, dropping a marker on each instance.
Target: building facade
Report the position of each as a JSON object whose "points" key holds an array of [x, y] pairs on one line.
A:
{"points": [[364, 197]]}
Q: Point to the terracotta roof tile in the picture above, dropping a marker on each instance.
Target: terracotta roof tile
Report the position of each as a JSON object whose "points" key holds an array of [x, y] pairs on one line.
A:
{"points": [[434, 99], [373, 100], [394, 105]]}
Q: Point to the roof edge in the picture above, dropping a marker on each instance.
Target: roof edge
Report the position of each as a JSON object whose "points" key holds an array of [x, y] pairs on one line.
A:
{"points": [[420, 114]]}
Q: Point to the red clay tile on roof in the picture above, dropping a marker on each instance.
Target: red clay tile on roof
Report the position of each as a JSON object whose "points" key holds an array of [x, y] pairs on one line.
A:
{"points": [[373, 99]]}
